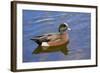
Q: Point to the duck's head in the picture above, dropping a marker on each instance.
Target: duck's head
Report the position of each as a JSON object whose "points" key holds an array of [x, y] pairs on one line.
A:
{"points": [[63, 27]]}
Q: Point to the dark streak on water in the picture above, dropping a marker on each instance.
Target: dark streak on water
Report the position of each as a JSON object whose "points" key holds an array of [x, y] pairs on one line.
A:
{"points": [[40, 22]]}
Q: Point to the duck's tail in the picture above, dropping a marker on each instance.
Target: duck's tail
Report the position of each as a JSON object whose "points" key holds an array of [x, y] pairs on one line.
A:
{"points": [[37, 41]]}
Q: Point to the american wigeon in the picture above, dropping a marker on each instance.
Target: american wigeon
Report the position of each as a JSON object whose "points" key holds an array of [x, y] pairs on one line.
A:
{"points": [[53, 39]]}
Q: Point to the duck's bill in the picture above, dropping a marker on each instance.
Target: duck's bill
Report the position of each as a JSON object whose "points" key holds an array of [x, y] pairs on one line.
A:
{"points": [[69, 28]]}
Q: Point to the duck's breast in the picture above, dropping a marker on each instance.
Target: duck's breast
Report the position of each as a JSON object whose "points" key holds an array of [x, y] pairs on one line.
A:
{"points": [[60, 41]]}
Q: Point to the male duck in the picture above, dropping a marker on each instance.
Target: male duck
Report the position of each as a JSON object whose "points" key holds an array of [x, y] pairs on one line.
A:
{"points": [[53, 39]]}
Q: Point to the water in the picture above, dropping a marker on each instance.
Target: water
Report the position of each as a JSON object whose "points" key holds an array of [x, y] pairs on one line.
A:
{"points": [[40, 22]]}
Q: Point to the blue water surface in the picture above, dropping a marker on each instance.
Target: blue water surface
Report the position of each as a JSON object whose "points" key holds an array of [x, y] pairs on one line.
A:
{"points": [[37, 22]]}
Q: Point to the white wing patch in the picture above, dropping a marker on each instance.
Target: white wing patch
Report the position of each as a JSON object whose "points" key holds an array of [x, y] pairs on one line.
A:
{"points": [[45, 44]]}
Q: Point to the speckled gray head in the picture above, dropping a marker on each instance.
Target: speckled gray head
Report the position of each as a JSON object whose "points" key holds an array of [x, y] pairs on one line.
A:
{"points": [[63, 27]]}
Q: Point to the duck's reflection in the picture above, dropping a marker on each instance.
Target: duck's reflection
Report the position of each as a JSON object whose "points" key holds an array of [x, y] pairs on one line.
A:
{"points": [[62, 48]]}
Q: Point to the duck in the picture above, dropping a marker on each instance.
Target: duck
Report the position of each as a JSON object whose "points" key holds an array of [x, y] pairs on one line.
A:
{"points": [[53, 39]]}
